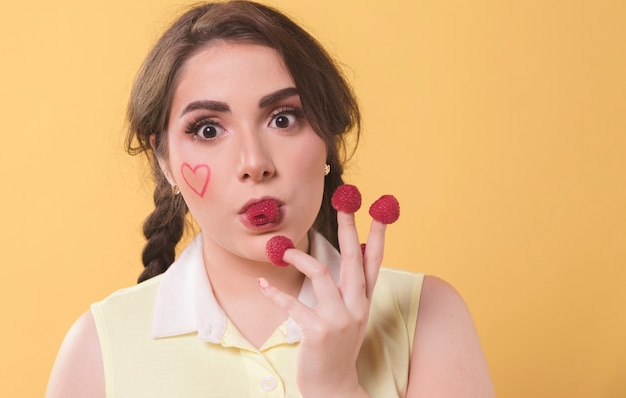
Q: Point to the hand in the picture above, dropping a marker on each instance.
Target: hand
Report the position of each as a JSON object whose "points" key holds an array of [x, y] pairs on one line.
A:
{"points": [[333, 331]]}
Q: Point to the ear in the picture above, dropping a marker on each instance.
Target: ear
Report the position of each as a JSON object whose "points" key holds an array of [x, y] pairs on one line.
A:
{"points": [[163, 163]]}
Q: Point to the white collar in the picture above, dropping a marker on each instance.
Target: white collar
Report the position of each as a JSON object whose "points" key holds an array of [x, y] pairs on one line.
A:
{"points": [[185, 302]]}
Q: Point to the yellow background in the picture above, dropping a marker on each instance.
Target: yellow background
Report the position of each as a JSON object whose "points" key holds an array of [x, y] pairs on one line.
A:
{"points": [[500, 126]]}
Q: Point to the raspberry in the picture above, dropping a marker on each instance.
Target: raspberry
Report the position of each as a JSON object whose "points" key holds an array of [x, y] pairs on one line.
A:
{"points": [[347, 198], [386, 209], [263, 212], [276, 247]]}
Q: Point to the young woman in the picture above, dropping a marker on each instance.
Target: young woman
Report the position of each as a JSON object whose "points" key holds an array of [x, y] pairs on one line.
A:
{"points": [[243, 116]]}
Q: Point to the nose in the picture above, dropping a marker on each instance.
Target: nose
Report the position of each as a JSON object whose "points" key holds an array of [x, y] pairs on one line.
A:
{"points": [[255, 163]]}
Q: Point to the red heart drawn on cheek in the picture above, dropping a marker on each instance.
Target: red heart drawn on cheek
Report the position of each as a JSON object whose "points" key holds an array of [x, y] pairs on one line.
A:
{"points": [[196, 177]]}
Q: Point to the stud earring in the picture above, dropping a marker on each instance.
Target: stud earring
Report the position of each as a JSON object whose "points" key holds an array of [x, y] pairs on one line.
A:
{"points": [[175, 189], [326, 169]]}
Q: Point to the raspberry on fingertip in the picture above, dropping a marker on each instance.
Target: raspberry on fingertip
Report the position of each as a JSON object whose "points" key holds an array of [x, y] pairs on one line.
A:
{"points": [[346, 198], [386, 209], [276, 247]]}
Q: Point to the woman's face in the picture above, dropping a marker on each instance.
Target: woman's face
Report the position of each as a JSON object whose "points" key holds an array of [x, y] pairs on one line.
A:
{"points": [[243, 155]]}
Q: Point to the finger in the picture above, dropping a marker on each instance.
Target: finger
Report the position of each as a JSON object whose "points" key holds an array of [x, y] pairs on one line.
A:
{"points": [[348, 236], [297, 310], [324, 286], [352, 279], [373, 257]]}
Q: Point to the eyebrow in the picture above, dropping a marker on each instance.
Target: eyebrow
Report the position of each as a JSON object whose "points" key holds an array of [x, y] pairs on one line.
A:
{"points": [[277, 96], [216, 106], [219, 106]]}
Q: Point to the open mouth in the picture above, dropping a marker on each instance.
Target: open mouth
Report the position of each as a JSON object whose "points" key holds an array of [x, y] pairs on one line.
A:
{"points": [[263, 212]]}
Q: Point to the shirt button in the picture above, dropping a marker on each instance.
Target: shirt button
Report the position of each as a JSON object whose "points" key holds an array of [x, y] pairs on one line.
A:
{"points": [[268, 383]]}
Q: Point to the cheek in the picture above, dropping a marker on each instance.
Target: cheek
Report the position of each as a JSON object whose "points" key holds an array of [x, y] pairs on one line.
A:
{"points": [[196, 177], [307, 153], [313, 155]]}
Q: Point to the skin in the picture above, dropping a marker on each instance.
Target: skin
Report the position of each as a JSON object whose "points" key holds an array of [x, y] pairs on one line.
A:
{"points": [[242, 94], [197, 178], [257, 153]]}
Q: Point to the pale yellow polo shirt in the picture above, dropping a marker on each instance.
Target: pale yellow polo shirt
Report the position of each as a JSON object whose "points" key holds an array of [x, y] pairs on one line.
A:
{"points": [[168, 337]]}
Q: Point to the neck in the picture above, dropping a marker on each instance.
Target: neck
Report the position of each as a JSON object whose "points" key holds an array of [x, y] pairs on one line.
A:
{"points": [[234, 276], [234, 283]]}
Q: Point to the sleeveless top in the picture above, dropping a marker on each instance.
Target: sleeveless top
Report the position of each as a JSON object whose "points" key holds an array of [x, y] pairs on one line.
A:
{"points": [[168, 337]]}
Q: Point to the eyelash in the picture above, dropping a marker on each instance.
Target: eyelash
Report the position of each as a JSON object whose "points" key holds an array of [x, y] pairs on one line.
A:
{"points": [[193, 128], [288, 110]]}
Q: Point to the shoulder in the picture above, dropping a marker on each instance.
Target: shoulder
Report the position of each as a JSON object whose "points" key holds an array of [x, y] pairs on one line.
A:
{"points": [[127, 302], [399, 282], [78, 369], [437, 296], [400, 289], [447, 359], [147, 288]]}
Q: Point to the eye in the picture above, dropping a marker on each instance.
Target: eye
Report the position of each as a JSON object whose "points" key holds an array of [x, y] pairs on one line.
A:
{"points": [[204, 129], [286, 117], [208, 131], [283, 121]]}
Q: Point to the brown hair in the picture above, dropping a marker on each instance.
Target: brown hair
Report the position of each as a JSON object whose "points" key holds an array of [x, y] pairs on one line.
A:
{"points": [[329, 103]]}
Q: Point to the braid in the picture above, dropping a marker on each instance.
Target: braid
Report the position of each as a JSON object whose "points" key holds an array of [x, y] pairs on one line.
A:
{"points": [[163, 228]]}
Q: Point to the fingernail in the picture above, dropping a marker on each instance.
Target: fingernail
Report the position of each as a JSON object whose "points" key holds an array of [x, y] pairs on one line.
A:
{"points": [[263, 283]]}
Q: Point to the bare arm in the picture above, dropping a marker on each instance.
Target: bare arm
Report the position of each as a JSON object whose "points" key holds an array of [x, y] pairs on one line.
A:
{"points": [[447, 359], [78, 371]]}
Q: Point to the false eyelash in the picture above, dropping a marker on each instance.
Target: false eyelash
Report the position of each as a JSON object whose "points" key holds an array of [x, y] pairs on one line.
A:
{"points": [[194, 125], [298, 112]]}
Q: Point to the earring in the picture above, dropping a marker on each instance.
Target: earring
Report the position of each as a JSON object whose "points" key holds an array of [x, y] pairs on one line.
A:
{"points": [[326, 169], [175, 189]]}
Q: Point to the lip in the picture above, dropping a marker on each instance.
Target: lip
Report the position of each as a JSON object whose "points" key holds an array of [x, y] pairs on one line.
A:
{"points": [[263, 227], [249, 203]]}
